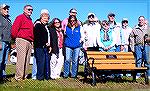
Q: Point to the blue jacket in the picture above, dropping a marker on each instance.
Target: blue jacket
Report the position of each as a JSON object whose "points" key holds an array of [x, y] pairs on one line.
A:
{"points": [[72, 37]]}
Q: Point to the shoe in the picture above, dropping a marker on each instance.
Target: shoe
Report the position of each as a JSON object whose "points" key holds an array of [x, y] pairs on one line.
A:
{"points": [[34, 78], [137, 77], [65, 77], [18, 80], [149, 77]]}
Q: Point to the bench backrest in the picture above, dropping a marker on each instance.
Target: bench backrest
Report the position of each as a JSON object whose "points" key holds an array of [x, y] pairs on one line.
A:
{"points": [[112, 60]]}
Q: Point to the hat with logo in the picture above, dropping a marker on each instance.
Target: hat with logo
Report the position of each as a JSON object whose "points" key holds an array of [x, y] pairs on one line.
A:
{"points": [[4, 6]]}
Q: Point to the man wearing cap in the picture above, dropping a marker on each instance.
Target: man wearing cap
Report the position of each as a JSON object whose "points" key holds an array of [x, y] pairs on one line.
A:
{"points": [[90, 29], [5, 27], [116, 27], [41, 45], [140, 38], [22, 33], [64, 23], [125, 32]]}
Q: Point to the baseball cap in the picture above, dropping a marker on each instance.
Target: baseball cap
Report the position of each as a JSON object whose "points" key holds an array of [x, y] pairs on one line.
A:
{"points": [[125, 19], [44, 11], [73, 10], [4, 6], [91, 14], [111, 14]]}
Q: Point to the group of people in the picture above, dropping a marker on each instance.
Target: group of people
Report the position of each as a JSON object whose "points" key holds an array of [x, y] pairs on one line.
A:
{"points": [[57, 44]]}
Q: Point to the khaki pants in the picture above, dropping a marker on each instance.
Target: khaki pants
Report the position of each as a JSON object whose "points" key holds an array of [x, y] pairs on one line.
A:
{"points": [[23, 48]]}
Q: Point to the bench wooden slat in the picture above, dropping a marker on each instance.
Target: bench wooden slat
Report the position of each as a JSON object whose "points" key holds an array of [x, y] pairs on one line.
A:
{"points": [[117, 66], [104, 56], [112, 61], [109, 53]]}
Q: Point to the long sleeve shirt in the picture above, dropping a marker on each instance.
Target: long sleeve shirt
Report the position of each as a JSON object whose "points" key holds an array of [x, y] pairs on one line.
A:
{"points": [[22, 28], [91, 35], [40, 35], [137, 35], [109, 43], [125, 33], [5, 28], [117, 29]]}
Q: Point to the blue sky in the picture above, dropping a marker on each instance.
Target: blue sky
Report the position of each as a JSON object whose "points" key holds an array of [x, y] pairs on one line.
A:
{"points": [[130, 9]]}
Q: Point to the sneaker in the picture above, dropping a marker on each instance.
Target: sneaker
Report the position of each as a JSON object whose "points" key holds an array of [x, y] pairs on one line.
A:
{"points": [[137, 77], [34, 78], [149, 77]]}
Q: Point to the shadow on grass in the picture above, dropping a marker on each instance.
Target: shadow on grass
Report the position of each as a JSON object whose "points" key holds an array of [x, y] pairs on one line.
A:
{"points": [[103, 79], [6, 79]]}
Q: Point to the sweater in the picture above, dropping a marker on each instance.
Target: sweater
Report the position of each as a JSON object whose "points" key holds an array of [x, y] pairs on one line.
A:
{"points": [[22, 28]]}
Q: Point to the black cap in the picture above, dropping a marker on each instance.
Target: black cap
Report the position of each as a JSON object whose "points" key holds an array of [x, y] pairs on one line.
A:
{"points": [[111, 14]]}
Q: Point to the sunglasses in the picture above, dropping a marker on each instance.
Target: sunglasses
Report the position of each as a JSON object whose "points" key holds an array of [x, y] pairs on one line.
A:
{"points": [[6, 8], [56, 22], [91, 16], [124, 21], [30, 9], [112, 16]]}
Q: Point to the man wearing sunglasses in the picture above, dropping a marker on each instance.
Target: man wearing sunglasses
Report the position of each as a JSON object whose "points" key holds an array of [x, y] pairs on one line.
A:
{"points": [[64, 23], [116, 27], [91, 33], [5, 27], [22, 33]]}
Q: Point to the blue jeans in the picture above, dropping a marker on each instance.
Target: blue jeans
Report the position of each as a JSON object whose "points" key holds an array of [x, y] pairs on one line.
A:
{"points": [[71, 55], [142, 56], [4, 58], [34, 69], [118, 48]]}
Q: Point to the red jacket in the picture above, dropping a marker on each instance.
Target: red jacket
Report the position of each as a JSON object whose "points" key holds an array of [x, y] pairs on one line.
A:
{"points": [[22, 28]]}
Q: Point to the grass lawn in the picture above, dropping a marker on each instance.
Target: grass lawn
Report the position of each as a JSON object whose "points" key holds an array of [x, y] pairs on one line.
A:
{"points": [[69, 84]]}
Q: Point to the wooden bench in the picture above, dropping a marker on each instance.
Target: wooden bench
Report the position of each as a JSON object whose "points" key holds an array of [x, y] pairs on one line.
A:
{"points": [[112, 62]]}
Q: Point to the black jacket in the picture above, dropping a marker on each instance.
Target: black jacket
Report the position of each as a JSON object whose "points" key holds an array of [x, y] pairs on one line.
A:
{"points": [[40, 36], [54, 41]]}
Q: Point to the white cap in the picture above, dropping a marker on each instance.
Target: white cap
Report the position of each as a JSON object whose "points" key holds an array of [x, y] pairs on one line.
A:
{"points": [[44, 11], [4, 5], [91, 14], [125, 19]]}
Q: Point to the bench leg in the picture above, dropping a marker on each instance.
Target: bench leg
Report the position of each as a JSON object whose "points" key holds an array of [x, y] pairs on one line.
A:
{"points": [[85, 75], [146, 78], [93, 78], [134, 76]]}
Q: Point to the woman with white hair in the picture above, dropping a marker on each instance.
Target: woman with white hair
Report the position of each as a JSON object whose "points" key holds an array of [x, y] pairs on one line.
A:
{"points": [[41, 45]]}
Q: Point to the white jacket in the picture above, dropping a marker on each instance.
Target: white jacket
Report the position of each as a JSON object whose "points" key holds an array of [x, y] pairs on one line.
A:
{"points": [[90, 34]]}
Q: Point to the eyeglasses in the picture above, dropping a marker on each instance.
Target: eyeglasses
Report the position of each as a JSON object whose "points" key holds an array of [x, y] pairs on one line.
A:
{"points": [[124, 21], [91, 16], [112, 16], [6, 8], [74, 12], [56, 22], [30, 9]]}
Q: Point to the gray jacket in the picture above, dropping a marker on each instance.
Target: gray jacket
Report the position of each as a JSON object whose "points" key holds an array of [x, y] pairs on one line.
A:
{"points": [[137, 36], [5, 28]]}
